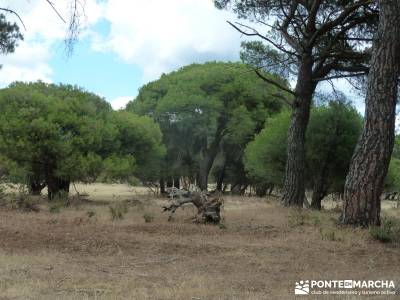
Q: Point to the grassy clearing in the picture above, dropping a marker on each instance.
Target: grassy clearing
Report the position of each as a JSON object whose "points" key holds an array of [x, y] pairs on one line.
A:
{"points": [[261, 249]]}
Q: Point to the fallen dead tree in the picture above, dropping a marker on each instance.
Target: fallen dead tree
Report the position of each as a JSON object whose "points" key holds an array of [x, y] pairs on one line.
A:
{"points": [[208, 210]]}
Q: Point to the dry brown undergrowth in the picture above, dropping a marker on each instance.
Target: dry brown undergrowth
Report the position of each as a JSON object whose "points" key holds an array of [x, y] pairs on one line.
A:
{"points": [[262, 249]]}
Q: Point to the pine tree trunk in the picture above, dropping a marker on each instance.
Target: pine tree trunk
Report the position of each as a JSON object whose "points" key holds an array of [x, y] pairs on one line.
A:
{"points": [[221, 176], [261, 190], [370, 161], [204, 170], [319, 192], [162, 186], [236, 189], [320, 188], [271, 189], [206, 164], [177, 182], [294, 185], [55, 186]]}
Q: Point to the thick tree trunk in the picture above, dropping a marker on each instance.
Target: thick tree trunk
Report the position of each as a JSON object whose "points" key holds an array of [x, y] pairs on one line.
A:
{"points": [[162, 186], [55, 186], [294, 186], [204, 170], [208, 156], [319, 192], [206, 164], [320, 187], [177, 182], [221, 176], [236, 189], [261, 190], [370, 161], [271, 189]]}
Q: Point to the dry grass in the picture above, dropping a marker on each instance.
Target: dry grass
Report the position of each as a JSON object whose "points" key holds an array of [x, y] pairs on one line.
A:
{"points": [[258, 254]]}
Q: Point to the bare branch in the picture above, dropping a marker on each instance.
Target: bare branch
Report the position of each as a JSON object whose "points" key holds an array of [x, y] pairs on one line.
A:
{"points": [[14, 13], [283, 28], [341, 76], [278, 85], [256, 33], [329, 25], [208, 210], [55, 10], [283, 98]]}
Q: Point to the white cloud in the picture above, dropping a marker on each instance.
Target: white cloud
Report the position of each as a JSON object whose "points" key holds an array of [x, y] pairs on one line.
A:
{"points": [[28, 63], [157, 36], [120, 102], [44, 30], [160, 36]]}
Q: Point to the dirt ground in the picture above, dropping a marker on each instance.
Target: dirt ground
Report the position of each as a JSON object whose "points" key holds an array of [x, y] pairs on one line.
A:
{"points": [[259, 252]]}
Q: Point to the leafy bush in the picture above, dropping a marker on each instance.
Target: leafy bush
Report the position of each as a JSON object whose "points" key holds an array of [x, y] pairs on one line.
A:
{"points": [[332, 133], [21, 201], [62, 197], [60, 201], [297, 218], [148, 218], [55, 207], [118, 210], [222, 226], [389, 231], [90, 213]]}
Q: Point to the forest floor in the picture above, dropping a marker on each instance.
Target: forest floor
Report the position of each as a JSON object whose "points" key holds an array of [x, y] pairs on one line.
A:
{"points": [[259, 252]]}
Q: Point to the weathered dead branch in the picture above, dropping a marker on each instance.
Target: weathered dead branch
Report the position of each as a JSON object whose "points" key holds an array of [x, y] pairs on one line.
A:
{"points": [[208, 210]]}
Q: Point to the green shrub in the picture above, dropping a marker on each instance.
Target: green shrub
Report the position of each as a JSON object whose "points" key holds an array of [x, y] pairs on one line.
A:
{"points": [[222, 226], [297, 218], [90, 213], [118, 210], [62, 197], [315, 220], [60, 201], [148, 218], [55, 207], [28, 205], [329, 234], [387, 232], [22, 201]]}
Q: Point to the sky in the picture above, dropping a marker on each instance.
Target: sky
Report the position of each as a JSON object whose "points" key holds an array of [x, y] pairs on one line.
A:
{"points": [[122, 44]]}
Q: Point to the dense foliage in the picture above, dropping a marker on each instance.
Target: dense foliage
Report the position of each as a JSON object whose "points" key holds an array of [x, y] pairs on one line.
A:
{"points": [[9, 36], [55, 134], [204, 111], [308, 41], [331, 137]]}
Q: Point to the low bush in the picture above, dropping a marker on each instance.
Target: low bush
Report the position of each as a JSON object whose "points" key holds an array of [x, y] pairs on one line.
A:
{"points": [[389, 231], [148, 218], [118, 210], [329, 234]]}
